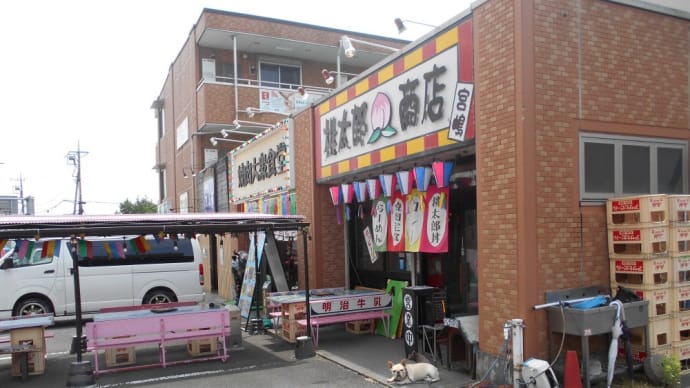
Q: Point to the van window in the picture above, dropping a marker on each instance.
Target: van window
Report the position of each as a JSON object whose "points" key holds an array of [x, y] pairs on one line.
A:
{"points": [[161, 252], [34, 259]]}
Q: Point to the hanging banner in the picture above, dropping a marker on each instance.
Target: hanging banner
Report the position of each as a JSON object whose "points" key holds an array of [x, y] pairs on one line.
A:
{"points": [[435, 231], [249, 281], [414, 220], [369, 240], [396, 240], [379, 221]]}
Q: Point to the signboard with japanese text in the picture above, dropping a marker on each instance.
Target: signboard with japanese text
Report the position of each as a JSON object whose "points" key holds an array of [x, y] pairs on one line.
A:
{"points": [[262, 165], [285, 101], [420, 102], [355, 303], [396, 239], [379, 221], [414, 220], [435, 230]]}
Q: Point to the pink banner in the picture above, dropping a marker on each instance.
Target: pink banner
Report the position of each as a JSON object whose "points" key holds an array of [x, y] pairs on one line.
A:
{"points": [[435, 229]]}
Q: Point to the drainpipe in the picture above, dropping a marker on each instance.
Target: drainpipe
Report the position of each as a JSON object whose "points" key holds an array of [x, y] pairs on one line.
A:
{"points": [[234, 59]]}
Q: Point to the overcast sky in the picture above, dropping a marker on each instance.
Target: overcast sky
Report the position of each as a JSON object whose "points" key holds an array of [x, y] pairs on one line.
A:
{"points": [[84, 74]]}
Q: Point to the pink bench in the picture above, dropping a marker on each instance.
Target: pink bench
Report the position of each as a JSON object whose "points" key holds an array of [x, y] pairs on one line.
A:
{"points": [[133, 328], [318, 321]]}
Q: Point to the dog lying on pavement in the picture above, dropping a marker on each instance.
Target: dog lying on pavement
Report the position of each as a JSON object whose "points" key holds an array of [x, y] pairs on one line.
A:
{"points": [[406, 372]]}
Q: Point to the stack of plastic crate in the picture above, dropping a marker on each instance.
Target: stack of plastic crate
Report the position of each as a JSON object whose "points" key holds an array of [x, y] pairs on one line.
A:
{"points": [[679, 248], [638, 238]]}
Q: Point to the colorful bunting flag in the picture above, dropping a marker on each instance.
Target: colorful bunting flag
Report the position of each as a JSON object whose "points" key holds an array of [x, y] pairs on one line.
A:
{"points": [[85, 249], [2, 244], [120, 249], [373, 188], [360, 188], [24, 248], [141, 244], [387, 184], [48, 249], [422, 177]]}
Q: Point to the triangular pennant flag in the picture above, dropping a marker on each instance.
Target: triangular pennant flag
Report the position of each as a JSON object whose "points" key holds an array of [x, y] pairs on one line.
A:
{"points": [[108, 249], [404, 182], [120, 247], [348, 192], [387, 184], [442, 171], [373, 188], [360, 188], [335, 194], [422, 177]]}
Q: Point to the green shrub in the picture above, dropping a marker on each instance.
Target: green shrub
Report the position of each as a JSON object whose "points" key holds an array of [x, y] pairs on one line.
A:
{"points": [[671, 370]]}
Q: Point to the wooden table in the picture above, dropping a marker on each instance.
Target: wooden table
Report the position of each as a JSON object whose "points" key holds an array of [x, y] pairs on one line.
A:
{"points": [[27, 343], [323, 302]]}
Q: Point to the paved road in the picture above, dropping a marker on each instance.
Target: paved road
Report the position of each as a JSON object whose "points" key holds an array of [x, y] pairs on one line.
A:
{"points": [[256, 363]]}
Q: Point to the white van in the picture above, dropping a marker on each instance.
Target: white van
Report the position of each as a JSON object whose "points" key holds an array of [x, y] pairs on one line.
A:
{"points": [[170, 271]]}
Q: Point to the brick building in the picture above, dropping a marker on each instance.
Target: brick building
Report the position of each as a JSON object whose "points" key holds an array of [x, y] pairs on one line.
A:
{"points": [[539, 109]]}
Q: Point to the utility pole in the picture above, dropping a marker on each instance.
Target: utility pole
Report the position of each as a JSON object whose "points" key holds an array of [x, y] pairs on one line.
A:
{"points": [[20, 188], [74, 157]]}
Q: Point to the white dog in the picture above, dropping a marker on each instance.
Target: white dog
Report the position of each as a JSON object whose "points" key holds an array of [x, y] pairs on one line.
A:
{"points": [[405, 372]]}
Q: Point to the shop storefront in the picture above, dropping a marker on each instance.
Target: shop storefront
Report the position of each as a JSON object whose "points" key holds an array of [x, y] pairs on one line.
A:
{"points": [[396, 151], [260, 177]]}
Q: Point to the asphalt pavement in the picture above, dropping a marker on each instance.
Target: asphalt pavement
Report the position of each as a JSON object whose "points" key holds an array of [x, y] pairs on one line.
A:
{"points": [[343, 359]]}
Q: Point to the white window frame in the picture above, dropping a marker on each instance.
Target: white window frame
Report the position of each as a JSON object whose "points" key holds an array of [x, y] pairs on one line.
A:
{"points": [[618, 142], [182, 133]]}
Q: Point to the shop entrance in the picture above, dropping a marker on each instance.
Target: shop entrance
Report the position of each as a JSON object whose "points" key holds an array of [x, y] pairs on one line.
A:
{"points": [[454, 271]]}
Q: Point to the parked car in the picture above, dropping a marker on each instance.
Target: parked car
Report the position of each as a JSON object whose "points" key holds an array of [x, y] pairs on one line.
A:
{"points": [[37, 283]]}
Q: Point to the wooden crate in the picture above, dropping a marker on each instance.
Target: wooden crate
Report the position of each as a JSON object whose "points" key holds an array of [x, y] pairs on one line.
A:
{"points": [[660, 299], [660, 333], [681, 269], [115, 357], [637, 210], [202, 347], [290, 330], [681, 298], [359, 327], [679, 208], [33, 336], [636, 241], [639, 272], [679, 237], [639, 353]]}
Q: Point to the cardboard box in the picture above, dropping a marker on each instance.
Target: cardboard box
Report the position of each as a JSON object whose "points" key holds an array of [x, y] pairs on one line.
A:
{"points": [[33, 336]]}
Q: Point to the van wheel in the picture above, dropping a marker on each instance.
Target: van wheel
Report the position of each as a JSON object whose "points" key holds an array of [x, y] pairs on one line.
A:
{"points": [[159, 296], [33, 306]]}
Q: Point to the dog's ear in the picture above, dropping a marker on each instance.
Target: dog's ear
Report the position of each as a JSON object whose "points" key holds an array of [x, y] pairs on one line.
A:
{"points": [[403, 361], [390, 364]]}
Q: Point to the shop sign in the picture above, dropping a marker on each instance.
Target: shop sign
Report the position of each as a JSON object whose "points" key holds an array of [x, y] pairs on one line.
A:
{"points": [[369, 240], [357, 303], [414, 221], [435, 238], [379, 220], [396, 242], [260, 166], [417, 102]]}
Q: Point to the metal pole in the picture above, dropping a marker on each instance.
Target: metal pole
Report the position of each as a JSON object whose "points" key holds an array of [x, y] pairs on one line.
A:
{"points": [[77, 294], [305, 237]]}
